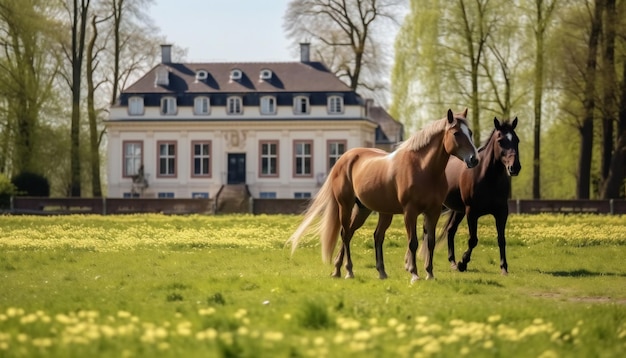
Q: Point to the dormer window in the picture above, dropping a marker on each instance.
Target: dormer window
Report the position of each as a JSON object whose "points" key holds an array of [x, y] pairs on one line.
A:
{"points": [[135, 106], [201, 75], [233, 105], [335, 104], [201, 105], [265, 74], [168, 105], [301, 105], [235, 74]]}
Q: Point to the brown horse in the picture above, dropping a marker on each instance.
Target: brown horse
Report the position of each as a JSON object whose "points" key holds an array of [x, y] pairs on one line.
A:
{"points": [[483, 190], [410, 181]]}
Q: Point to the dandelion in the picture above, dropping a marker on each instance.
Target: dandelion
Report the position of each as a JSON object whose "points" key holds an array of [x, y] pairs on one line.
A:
{"points": [[273, 336], [494, 318], [488, 344], [163, 346], [392, 322], [42, 342], [287, 316], [421, 319], [184, 329], [464, 351], [549, 354], [123, 314], [242, 331], [241, 313], [319, 341], [4, 346], [206, 311]]}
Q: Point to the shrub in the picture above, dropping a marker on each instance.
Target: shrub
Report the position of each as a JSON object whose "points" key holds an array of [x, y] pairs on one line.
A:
{"points": [[7, 189], [31, 184]]}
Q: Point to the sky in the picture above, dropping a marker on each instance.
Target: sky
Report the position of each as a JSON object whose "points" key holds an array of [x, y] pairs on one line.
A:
{"points": [[225, 30]]}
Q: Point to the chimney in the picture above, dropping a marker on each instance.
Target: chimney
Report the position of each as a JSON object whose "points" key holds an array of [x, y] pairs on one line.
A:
{"points": [[305, 48], [166, 53]]}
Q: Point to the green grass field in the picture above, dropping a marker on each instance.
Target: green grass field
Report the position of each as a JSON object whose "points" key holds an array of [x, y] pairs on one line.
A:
{"points": [[226, 286]]}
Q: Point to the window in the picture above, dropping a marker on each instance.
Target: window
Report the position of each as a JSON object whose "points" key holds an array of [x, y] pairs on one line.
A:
{"points": [[168, 105], [165, 195], [267, 195], [303, 158], [301, 105], [135, 106], [201, 75], [335, 104], [234, 105], [335, 149], [269, 159], [167, 159], [201, 105], [268, 105], [235, 74], [201, 161], [265, 74], [202, 195], [301, 195], [133, 158]]}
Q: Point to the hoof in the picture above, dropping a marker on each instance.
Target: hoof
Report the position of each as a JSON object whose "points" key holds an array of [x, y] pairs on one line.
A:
{"points": [[453, 266], [430, 276], [505, 272], [414, 278], [462, 266], [349, 275], [335, 275], [382, 276]]}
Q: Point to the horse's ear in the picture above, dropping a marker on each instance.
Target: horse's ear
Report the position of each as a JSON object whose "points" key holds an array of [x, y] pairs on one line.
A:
{"points": [[514, 124], [496, 123], [465, 113], [450, 116]]}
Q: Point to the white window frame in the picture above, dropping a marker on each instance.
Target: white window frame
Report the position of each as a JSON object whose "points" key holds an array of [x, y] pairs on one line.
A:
{"points": [[168, 105], [166, 162], [133, 157], [268, 105], [135, 106], [265, 74], [236, 74], [205, 171], [201, 75], [301, 105], [303, 157], [334, 153], [201, 105], [266, 158], [234, 105], [335, 104]]}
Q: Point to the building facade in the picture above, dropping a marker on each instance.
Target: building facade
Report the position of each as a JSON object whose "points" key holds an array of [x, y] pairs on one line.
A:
{"points": [[185, 130]]}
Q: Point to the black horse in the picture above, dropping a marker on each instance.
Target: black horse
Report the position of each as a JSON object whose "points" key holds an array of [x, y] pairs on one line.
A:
{"points": [[482, 190]]}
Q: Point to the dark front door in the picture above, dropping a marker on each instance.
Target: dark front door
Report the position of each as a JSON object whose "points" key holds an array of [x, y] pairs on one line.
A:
{"points": [[236, 168]]}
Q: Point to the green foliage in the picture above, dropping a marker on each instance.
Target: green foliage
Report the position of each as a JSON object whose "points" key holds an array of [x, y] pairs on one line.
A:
{"points": [[31, 184], [7, 189], [139, 285]]}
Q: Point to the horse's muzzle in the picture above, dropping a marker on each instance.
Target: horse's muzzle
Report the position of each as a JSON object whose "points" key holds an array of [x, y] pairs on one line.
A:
{"points": [[472, 161]]}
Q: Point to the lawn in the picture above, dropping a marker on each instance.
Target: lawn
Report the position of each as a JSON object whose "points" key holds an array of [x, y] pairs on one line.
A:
{"points": [[227, 286]]}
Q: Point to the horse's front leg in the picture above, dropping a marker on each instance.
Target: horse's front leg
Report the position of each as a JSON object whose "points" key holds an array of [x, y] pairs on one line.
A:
{"points": [[430, 222], [384, 220], [451, 228], [339, 260], [410, 223], [472, 224], [501, 219]]}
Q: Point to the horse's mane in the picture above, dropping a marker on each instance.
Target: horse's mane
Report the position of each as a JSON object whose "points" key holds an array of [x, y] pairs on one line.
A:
{"points": [[422, 137]]}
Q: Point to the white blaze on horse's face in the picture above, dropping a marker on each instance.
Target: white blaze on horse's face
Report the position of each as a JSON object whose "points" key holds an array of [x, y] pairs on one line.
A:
{"points": [[466, 150]]}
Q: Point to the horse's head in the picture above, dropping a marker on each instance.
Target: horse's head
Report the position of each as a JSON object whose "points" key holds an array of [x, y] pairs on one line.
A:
{"points": [[506, 145], [458, 139]]}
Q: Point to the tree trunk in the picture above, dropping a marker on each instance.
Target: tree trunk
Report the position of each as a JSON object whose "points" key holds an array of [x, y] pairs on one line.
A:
{"points": [[586, 128], [608, 85], [538, 98], [617, 170], [94, 143]]}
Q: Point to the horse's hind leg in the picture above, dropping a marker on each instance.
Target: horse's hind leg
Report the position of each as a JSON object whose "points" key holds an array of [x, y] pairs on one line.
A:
{"points": [[348, 226], [410, 223], [500, 226], [451, 228], [472, 224], [384, 220]]}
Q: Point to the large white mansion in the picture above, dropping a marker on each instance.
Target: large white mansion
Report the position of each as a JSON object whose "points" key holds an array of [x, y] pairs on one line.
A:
{"points": [[277, 127]]}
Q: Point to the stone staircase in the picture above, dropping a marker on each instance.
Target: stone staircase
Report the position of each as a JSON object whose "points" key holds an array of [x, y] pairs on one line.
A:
{"points": [[233, 199]]}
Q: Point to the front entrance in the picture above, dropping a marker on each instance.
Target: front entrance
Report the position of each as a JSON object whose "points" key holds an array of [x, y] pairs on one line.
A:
{"points": [[236, 168]]}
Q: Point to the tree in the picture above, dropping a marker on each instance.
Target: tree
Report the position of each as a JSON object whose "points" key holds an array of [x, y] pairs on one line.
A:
{"points": [[586, 127], [78, 12], [27, 71], [343, 34], [543, 16]]}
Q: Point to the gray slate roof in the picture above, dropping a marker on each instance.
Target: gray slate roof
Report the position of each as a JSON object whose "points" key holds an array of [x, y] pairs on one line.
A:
{"points": [[286, 77]]}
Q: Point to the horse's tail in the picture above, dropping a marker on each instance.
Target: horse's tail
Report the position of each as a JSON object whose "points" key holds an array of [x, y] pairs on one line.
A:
{"points": [[442, 231], [328, 227]]}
